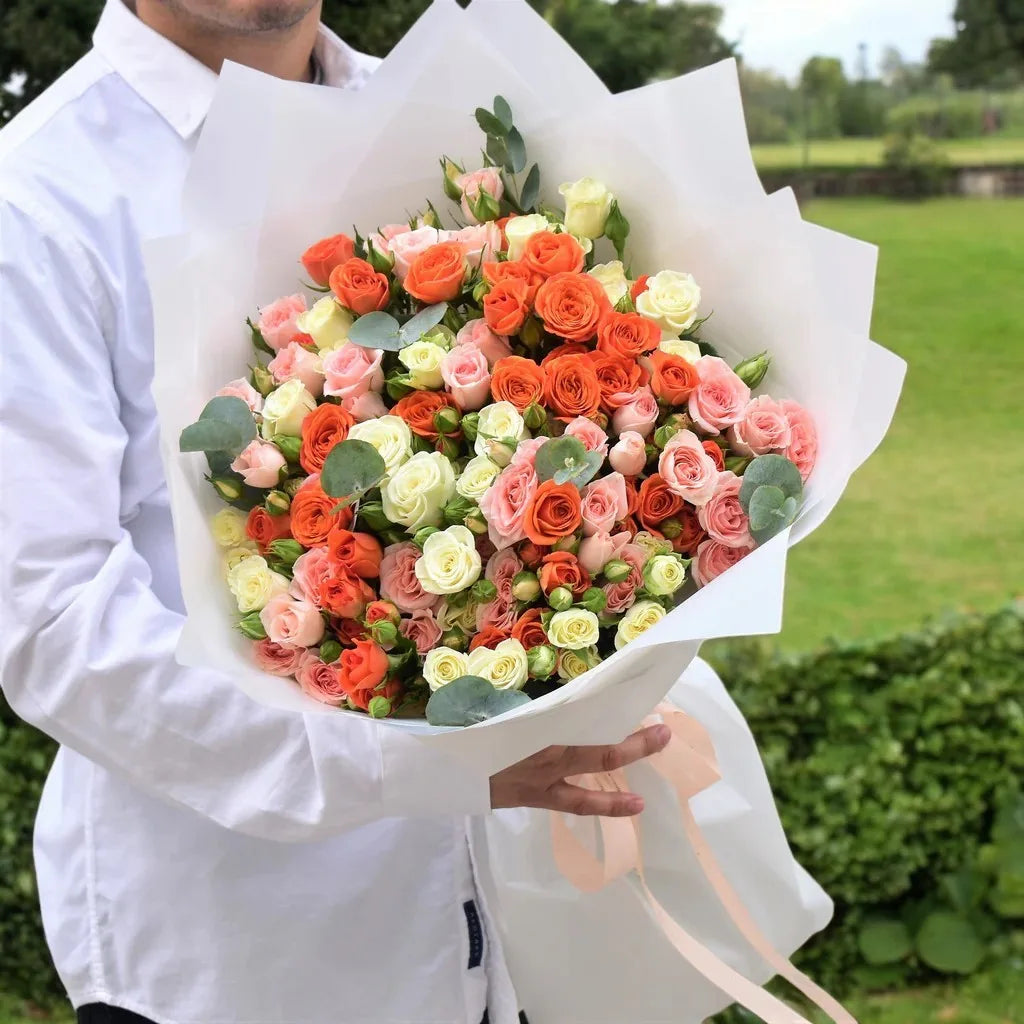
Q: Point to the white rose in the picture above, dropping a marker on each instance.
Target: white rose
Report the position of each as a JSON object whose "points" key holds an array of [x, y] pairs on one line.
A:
{"points": [[326, 323], [671, 301], [390, 435], [423, 360], [443, 666], [519, 229], [612, 278], [637, 620], [286, 408], [462, 617], [688, 350], [587, 205], [417, 491], [505, 668], [450, 561], [574, 628], [228, 527], [239, 554], [478, 475], [253, 584], [499, 421], [664, 575]]}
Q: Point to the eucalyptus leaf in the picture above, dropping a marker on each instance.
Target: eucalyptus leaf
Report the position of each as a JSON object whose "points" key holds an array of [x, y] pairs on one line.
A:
{"points": [[502, 111], [469, 700], [377, 330], [497, 152], [592, 463], [766, 506], [489, 123], [352, 467], [211, 436], [516, 151], [558, 454], [425, 320], [774, 471], [531, 189]]}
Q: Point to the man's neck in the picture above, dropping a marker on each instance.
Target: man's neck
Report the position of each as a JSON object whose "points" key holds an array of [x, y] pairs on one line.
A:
{"points": [[285, 53]]}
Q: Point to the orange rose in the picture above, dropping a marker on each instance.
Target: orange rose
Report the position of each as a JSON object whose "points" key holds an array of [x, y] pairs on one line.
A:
{"points": [[692, 533], [627, 335], [517, 380], [632, 497], [673, 378], [639, 286], [716, 453], [531, 554], [313, 517], [419, 408], [322, 257], [506, 306], [656, 502], [501, 273], [344, 594], [572, 388], [359, 287], [572, 305], [529, 630], [362, 667], [392, 689], [263, 528], [548, 254], [379, 611], [359, 553], [619, 378], [562, 569], [568, 348], [322, 429], [490, 637], [553, 513], [436, 275], [348, 631]]}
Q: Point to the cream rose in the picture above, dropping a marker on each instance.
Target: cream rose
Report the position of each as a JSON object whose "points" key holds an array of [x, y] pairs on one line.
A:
{"points": [[519, 229], [390, 435], [612, 278], [253, 584], [228, 528], [498, 421], [423, 361], [505, 668], [664, 575], [682, 347], [671, 301], [575, 629], [443, 666], [417, 491], [574, 663], [637, 620], [238, 554], [326, 323], [462, 617], [587, 205], [450, 561], [478, 475], [286, 408]]}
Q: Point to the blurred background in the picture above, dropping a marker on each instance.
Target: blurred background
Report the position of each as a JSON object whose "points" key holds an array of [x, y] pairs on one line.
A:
{"points": [[890, 711]]}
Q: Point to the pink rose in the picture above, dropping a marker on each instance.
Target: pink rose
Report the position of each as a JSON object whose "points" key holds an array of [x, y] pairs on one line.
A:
{"points": [[488, 180], [295, 362], [319, 681], [407, 245], [638, 415], [277, 659], [398, 582], [764, 428], [713, 558], [381, 239], [309, 573], [501, 613], [687, 469], [604, 504], [505, 502], [422, 629], [481, 242], [477, 333], [621, 596], [260, 464], [720, 397], [365, 407], [466, 376], [502, 568], [242, 389], [352, 370], [594, 439], [526, 451], [292, 622], [723, 516], [629, 454], [803, 438], [277, 321], [597, 550]]}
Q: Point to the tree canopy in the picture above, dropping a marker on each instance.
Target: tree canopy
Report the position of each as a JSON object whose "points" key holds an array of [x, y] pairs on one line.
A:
{"points": [[988, 47]]}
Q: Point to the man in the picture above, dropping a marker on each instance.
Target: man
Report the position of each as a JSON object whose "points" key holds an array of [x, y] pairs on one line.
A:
{"points": [[200, 858]]}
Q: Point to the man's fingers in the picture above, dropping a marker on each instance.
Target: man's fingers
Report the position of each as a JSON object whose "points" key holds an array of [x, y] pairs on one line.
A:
{"points": [[576, 800], [583, 760]]}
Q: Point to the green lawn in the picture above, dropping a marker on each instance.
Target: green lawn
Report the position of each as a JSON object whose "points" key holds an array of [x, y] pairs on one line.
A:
{"points": [[868, 152], [934, 520]]}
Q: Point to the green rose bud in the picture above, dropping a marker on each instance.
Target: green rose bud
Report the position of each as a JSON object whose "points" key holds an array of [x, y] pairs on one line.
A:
{"points": [[480, 289], [499, 452], [228, 487], [601, 419], [442, 335], [427, 219], [570, 544], [252, 627], [419, 538], [651, 452], [451, 170], [679, 420], [456, 510], [371, 513], [449, 448], [664, 575], [278, 502], [379, 707], [286, 550], [262, 379], [542, 661], [531, 334], [484, 591], [290, 446], [455, 639], [671, 528], [525, 587], [384, 631], [751, 371], [292, 484], [664, 434], [382, 262], [617, 570], [421, 444], [485, 207], [625, 304], [535, 416], [560, 599], [469, 425], [593, 600], [475, 521], [737, 463], [330, 651], [446, 420]]}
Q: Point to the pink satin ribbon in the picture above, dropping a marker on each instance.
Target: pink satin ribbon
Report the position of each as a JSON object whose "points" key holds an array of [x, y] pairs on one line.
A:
{"points": [[688, 763]]}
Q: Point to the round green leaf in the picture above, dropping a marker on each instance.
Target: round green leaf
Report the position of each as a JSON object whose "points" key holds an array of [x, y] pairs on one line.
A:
{"points": [[948, 942], [489, 123], [772, 471], [884, 942], [377, 330], [352, 467], [503, 111], [211, 436], [469, 700], [531, 189], [559, 454], [425, 320], [770, 512], [516, 151]]}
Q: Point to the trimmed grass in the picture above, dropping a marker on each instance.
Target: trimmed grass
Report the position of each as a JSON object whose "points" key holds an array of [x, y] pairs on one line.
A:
{"points": [[997, 149], [933, 521]]}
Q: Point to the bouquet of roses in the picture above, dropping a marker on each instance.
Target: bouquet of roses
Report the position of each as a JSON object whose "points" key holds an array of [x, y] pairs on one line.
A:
{"points": [[483, 460]]}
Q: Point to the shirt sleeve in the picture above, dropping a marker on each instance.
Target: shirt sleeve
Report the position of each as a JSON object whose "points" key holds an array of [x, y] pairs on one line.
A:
{"points": [[88, 650]]}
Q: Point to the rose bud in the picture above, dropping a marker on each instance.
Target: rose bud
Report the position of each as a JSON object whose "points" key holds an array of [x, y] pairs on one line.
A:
{"points": [[449, 448], [737, 463], [455, 639], [484, 591], [664, 434], [384, 631], [446, 420], [671, 528], [530, 333], [330, 651], [480, 289], [262, 380], [485, 207], [286, 550], [570, 544], [379, 707], [372, 514], [228, 487], [382, 262], [652, 452], [469, 425], [456, 510], [541, 660], [376, 611], [252, 627], [419, 538], [751, 371], [451, 171], [601, 419], [679, 420], [475, 521], [617, 570], [289, 445], [278, 502], [594, 600], [292, 485], [560, 599], [525, 586], [499, 453], [535, 416]]}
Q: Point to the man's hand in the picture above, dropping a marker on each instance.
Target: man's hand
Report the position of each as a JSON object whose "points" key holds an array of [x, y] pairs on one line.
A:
{"points": [[539, 781]]}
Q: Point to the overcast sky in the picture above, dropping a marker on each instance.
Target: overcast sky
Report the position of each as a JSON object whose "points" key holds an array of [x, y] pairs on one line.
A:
{"points": [[782, 34]]}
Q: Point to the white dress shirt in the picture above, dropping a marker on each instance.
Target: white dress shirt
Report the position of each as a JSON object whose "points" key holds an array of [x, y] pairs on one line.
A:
{"points": [[201, 858]]}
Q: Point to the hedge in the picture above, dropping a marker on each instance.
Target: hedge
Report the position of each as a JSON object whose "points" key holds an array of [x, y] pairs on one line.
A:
{"points": [[888, 760]]}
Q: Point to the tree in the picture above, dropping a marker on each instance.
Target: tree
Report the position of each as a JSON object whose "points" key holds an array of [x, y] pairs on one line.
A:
{"points": [[822, 82], [987, 49], [771, 105]]}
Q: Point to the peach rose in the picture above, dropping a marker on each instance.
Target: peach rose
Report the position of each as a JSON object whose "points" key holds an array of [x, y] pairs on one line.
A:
{"points": [[263, 528], [571, 387], [369, 406], [313, 516], [627, 335], [344, 594], [352, 371], [589, 434], [277, 322], [720, 397], [529, 630], [242, 389], [723, 517], [419, 408], [716, 453], [359, 287], [629, 454], [398, 581], [622, 595], [673, 379], [803, 438], [466, 376], [293, 362], [563, 569], [359, 553], [506, 307], [319, 681], [554, 512], [260, 464], [362, 668], [499, 273], [604, 504], [322, 429], [472, 183], [713, 558], [422, 629], [310, 571], [639, 414], [437, 273], [597, 550], [505, 502], [518, 381], [479, 335], [277, 659], [764, 428], [620, 379], [692, 533], [323, 256], [656, 502], [292, 622], [480, 242], [572, 305], [687, 469], [547, 254]]}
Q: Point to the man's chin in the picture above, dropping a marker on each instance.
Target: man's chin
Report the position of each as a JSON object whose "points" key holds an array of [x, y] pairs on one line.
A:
{"points": [[248, 17]]}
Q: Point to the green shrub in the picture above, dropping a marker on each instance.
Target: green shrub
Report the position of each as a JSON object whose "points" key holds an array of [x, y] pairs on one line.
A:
{"points": [[958, 115], [918, 164]]}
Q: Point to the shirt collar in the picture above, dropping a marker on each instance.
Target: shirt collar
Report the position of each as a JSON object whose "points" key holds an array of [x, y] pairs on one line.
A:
{"points": [[177, 86]]}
